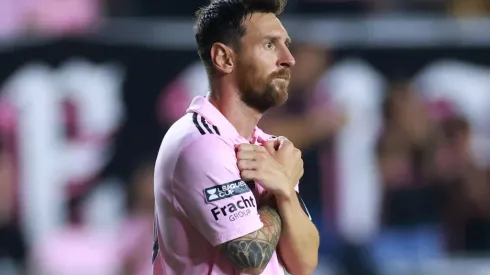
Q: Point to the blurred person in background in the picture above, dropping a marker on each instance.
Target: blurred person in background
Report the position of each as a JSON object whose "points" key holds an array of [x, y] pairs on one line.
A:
{"points": [[13, 249], [468, 214], [13, 245], [136, 236], [413, 199], [462, 88]]}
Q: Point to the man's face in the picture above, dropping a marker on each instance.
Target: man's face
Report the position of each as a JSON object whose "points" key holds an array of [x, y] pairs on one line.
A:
{"points": [[263, 65]]}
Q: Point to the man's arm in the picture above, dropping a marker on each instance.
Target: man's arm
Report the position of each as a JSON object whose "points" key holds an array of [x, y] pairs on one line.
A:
{"points": [[251, 253], [300, 240], [206, 166]]}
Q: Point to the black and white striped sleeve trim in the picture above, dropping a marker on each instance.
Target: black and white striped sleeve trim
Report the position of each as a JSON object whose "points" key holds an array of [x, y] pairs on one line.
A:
{"points": [[303, 205], [156, 248], [203, 126]]}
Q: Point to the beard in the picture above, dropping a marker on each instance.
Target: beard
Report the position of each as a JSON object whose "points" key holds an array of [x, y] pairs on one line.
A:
{"points": [[262, 94]]}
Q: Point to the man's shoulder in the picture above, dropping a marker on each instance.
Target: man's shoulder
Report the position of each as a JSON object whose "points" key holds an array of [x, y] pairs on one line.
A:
{"points": [[192, 130], [184, 148]]}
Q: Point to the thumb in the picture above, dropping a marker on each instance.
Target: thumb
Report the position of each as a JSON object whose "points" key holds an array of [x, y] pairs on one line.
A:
{"points": [[271, 146]]}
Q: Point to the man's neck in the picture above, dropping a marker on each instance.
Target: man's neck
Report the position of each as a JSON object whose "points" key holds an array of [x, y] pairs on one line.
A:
{"points": [[241, 116]]}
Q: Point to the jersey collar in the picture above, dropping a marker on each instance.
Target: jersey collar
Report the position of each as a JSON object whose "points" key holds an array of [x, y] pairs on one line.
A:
{"points": [[202, 106]]}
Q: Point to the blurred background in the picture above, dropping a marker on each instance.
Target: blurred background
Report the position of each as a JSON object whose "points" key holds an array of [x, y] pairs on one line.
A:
{"points": [[389, 101]]}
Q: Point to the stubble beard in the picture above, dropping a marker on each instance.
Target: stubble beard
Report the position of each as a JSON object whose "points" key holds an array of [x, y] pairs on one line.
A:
{"points": [[259, 94]]}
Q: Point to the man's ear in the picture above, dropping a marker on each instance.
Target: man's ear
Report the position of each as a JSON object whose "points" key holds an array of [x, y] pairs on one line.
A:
{"points": [[222, 57]]}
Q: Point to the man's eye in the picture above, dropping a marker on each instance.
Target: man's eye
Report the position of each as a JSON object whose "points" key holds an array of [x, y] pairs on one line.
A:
{"points": [[269, 45]]}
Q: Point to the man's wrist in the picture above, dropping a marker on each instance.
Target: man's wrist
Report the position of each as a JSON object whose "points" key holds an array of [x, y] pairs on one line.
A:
{"points": [[285, 194]]}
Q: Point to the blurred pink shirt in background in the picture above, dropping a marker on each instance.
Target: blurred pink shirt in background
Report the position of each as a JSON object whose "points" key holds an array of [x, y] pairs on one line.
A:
{"points": [[48, 17]]}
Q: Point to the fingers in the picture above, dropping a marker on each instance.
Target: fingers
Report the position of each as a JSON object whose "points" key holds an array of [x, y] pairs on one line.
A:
{"points": [[247, 165], [297, 152], [288, 147], [283, 139], [250, 152], [286, 144], [250, 162], [250, 148], [244, 155], [256, 156], [271, 146], [247, 175]]}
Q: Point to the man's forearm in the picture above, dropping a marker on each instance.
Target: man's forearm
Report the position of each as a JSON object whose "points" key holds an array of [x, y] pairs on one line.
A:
{"points": [[299, 241], [252, 252]]}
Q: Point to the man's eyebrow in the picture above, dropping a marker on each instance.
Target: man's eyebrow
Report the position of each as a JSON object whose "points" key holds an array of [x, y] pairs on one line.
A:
{"points": [[275, 38]]}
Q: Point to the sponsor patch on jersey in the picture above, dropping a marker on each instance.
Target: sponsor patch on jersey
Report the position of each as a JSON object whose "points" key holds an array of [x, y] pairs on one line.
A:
{"points": [[226, 190], [235, 210]]}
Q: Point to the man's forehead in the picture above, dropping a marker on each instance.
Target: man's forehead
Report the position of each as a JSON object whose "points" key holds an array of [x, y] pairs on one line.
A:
{"points": [[265, 24]]}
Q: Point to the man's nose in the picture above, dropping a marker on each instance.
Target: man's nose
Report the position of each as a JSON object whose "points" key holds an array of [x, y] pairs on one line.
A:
{"points": [[286, 60]]}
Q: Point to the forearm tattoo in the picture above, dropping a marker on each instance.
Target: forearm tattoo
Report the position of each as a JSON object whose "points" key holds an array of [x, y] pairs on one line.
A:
{"points": [[254, 250]]}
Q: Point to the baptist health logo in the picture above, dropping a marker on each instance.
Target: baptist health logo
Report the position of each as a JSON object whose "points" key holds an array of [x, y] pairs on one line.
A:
{"points": [[212, 194]]}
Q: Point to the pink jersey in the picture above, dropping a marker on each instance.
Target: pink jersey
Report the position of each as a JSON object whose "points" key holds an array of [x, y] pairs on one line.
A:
{"points": [[201, 201]]}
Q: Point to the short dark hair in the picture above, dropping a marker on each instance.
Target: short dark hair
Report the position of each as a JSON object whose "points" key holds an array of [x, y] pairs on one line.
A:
{"points": [[222, 21]]}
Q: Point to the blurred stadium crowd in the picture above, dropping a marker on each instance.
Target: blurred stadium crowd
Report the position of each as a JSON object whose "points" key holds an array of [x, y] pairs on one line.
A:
{"points": [[397, 161], [72, 16]]}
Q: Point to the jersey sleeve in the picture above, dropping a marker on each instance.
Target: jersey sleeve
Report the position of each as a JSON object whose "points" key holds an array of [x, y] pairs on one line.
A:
{"points": [[208, 188]]}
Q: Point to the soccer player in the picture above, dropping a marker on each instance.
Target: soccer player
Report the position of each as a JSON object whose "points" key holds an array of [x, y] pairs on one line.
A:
{"points": [[226, 194]]}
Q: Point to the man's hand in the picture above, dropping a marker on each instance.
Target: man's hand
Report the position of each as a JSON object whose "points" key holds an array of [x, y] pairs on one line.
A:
{"points": [[256, 164], [288, 156]]}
